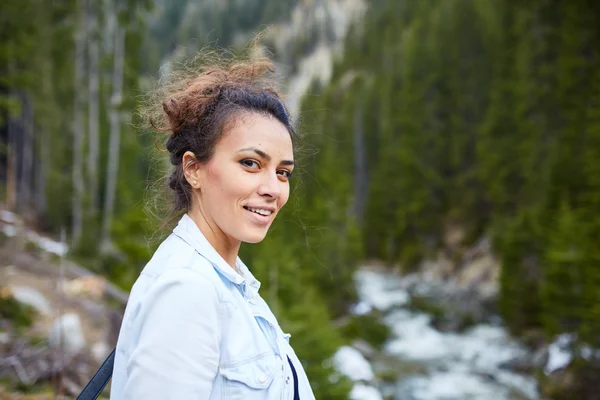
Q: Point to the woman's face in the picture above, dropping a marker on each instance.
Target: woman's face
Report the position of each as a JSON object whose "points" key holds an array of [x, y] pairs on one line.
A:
{"points": [[246, 182]]}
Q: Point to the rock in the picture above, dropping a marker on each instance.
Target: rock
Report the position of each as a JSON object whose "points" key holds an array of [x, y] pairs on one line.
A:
{"points": [[540, 358], [482, 270], [437, 270], [454, 235], [364, 348], [66, 333], [100, 351], [32, 297], [481, 248], [562, 385], [524, 364], [92, 286]]}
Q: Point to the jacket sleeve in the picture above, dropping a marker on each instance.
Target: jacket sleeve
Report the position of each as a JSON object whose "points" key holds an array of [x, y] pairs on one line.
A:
{"points": [[176, 355]]}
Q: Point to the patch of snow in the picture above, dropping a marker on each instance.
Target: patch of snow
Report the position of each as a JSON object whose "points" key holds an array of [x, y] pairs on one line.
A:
{"points": [[361, 308], [588, 352], [33, 298], [8, 217], [47, 244], [365, 392], [9, 220], [350, 362], [559, 353], [9, 230], [66, 334], [100, 351]]}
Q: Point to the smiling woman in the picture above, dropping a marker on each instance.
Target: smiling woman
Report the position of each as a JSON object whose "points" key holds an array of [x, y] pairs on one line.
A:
{"points": [[240, 190], [195, 326]]}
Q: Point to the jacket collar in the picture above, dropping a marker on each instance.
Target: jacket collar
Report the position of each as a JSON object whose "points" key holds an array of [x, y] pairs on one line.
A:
{"points": [[189, 232]]}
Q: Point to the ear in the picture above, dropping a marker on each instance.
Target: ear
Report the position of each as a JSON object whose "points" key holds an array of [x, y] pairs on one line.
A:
{"points": [[191, 169]]}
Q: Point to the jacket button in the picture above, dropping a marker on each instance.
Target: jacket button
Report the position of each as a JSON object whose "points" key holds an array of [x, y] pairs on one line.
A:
{"points": [[262, 379]]}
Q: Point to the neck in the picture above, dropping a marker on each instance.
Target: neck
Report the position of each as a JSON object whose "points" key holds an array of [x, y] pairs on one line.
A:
{"points": [[227, 247]]}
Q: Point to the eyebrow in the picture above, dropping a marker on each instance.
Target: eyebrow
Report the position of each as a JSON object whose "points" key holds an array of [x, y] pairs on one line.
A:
{"points": [[265, 155]]}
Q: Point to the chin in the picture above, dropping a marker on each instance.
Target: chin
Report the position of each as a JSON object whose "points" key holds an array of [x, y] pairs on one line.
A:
{"points": [[253, 237]]}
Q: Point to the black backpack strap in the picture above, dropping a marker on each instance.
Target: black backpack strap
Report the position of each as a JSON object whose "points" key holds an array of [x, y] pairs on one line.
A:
{"points": [[92, 390]]}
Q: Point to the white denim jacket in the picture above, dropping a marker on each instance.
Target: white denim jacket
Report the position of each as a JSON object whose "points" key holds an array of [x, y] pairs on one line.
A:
{"points": [[196, 329]]}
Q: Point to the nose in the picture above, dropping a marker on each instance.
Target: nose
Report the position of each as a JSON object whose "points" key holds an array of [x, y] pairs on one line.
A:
{"points": [[270, 186]]}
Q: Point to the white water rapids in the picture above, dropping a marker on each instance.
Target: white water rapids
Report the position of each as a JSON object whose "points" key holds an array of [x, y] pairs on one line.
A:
{"points": [[434, 365]]}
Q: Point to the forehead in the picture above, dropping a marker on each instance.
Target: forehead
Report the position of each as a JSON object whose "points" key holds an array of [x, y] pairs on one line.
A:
{"points": [[263, 132]]}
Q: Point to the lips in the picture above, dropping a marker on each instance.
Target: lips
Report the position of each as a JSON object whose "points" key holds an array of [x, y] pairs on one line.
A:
{"points": [[264, 210], [261, 215]]}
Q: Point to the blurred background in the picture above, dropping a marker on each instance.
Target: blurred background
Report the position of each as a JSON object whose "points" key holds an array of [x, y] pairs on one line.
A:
{"points": [[442, 237]]}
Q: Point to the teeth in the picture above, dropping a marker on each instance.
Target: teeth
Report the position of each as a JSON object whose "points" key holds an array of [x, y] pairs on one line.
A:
{"points": [[260, 211]]}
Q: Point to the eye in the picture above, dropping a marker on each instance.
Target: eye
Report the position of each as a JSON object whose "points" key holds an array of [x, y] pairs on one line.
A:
{"points": [[285, 173], [250, 163]]}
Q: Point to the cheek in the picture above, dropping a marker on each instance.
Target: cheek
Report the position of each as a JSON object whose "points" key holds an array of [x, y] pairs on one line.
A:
{"points": [[219, 180], [285, 196], [227, 185]]}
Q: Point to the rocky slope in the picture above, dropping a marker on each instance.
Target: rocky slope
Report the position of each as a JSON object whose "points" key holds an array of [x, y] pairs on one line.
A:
{"points": [[58, 321]]}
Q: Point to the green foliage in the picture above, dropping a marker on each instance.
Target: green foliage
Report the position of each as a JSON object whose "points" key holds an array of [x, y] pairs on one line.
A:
{"points": [[481, 113], [367, 327], [520, 275], [564, 262], [19, 315], [484, 113], [315, 340]]}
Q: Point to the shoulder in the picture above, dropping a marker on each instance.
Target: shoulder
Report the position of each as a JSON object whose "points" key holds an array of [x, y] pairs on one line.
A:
{"points": [[175, 263], [174, 256]]}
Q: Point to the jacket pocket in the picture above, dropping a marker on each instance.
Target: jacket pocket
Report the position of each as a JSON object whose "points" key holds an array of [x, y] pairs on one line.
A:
{"points": [[251, 379]]}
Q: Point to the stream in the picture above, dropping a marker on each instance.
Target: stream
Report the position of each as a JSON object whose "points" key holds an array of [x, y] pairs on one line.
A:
{"points": [[431, 365]]}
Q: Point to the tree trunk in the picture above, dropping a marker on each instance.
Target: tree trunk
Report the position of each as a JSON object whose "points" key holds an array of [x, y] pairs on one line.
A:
{"points": [[93, 103], [114, 139], [27, 149], [42, 136], [43, 164], [11, 166], [360, 164], [78, 126], [43, 143], [108, 24]]}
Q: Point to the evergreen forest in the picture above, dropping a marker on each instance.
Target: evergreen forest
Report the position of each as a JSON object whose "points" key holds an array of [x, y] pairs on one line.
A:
{"points": [[470, 113]]}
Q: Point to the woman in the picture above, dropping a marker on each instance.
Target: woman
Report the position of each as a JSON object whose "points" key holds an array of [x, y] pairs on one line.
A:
{"points": [[195, 326]]}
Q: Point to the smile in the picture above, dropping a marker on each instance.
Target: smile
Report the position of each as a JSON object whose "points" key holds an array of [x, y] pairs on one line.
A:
{"points": [[260, 211]]}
